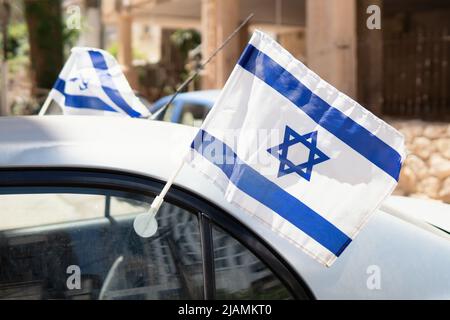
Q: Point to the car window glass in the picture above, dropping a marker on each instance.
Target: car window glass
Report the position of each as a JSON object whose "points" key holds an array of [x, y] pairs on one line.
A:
{"points": [[19, 210], [119, 206], [193, 114], [90, 256], [240, 274], [167, 114]]}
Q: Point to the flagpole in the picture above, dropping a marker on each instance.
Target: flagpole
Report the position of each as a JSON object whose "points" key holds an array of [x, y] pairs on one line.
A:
{"points": [[157, 202], [65, 70], [145, 224], [45, 106]]}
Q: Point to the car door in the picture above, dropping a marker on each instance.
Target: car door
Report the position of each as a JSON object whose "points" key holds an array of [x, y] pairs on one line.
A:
{"points": [[68, 234]]}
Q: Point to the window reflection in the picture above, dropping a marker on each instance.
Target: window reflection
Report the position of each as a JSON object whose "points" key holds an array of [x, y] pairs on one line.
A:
{"points": [[240, 274], [43, 234], [193, 114]]}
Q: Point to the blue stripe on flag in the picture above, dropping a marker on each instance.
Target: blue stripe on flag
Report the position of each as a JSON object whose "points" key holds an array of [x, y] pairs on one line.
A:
{"points": [[78, 101], [350, 132], [99, 63], [269, 194]]}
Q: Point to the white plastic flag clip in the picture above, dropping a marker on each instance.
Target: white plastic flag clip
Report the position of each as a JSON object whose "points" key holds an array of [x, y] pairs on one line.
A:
{"points": [[145, 224]]}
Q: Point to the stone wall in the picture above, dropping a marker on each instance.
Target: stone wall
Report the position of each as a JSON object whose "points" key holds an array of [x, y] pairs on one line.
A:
{"points": [[426, 170]]}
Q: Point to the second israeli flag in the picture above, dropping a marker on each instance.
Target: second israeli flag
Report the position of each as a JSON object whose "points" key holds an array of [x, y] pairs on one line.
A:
{"points": [[302, 158], [92, 83]]}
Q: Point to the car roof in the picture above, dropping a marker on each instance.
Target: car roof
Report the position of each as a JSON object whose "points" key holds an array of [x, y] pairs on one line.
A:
{"points": [[89, 141], [155, 148]]}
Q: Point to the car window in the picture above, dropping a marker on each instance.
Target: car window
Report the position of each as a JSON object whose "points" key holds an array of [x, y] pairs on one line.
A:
{"points": [[240, 274], [167, 113], [28, 210], [60, 245], [193, 114], [119, 206]]}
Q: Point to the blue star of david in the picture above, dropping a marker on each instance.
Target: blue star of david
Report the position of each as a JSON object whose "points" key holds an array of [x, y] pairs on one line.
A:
{"points": [[290, 139]]}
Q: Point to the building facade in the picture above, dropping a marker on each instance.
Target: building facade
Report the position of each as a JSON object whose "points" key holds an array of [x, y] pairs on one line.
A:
{"points": [[401, 69]]}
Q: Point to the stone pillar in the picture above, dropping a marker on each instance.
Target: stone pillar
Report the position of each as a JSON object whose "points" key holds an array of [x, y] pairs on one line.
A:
{"points": [[370, 60], [294, 42], [93, 36], [125, 46], [209, 40], [244, 37], [227, 21], [331, 42], [219, 19]]}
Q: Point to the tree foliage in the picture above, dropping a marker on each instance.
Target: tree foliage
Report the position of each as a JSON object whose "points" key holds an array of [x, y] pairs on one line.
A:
{"points": [[45, 32]]}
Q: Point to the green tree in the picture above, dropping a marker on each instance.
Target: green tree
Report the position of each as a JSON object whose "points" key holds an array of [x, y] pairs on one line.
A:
{"points": [[187, 41], [45, 33]]}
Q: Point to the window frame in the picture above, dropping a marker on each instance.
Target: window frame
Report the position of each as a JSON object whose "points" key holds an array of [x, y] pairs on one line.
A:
{"points": [[208, 214]]}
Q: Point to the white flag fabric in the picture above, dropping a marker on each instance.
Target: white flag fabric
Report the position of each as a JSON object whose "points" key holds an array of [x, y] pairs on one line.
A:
{"points": [[300, 157], [92, 83]]}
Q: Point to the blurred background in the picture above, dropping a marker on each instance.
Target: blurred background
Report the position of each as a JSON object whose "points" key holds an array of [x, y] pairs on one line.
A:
{"points": [[398, 67]]}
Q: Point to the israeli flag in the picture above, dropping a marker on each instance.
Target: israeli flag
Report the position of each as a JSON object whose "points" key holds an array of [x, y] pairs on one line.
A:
{"points": [[92, 83], [300, 157]]}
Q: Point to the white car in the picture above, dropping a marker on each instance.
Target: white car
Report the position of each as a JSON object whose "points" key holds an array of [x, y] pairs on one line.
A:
{"points": [[70, 188]]}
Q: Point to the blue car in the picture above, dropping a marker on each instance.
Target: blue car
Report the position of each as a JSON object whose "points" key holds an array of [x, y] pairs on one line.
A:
{"points": [[188, 108]]}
